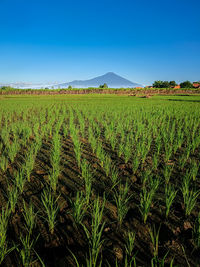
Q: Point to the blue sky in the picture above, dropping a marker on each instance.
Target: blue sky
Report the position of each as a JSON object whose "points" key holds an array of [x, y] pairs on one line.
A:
{"points": [[58, 41]]}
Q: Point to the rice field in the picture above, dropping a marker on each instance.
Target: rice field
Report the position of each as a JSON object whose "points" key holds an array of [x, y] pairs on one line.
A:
{"points": [[99, 180]]}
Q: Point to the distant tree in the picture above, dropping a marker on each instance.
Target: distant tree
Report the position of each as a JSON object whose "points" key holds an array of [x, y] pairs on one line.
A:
{"points": [[6, 88], [165, 84], [46, 88], [161, 84], [69, 87], [103, 86], [172, 84], [186, 84], [157, 84]]}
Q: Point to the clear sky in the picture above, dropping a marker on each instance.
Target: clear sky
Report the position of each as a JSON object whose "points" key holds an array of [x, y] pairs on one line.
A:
{"points": [[62, 40]]}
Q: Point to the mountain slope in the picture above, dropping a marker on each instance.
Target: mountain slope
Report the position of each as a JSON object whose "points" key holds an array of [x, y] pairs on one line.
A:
{"points": [[111, 79]]}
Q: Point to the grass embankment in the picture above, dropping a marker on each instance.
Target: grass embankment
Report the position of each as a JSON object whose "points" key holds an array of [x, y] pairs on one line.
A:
{"points": [[120, 91]]}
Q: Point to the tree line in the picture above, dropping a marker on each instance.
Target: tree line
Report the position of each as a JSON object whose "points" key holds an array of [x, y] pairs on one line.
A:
{"points": [[172, 84]]}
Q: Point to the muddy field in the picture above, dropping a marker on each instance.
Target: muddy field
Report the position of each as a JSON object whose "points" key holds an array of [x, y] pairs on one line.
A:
{"points": [[100, 181]]}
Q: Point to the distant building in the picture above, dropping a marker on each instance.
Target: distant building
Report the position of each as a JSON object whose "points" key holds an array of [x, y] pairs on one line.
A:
{"points": [[196, 84], [177, 87]]}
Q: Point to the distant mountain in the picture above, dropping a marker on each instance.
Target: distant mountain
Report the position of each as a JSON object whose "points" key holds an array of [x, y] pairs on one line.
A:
{"points": [[111, 79]]}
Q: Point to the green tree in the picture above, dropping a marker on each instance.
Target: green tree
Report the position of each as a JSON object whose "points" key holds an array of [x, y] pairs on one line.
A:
{"points": [[161, 84], [157, 84], [69, 87], [172, 84], [6, 88], [103, 86], [186, 84], [165, 84]]}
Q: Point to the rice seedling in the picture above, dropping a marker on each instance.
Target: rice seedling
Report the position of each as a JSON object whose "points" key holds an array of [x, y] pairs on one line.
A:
{"points": [[92, 140], [130, 258], [145, 177], [77, 150], [53, 178], [99, 150], [55, 159], [168, 151], [189, 196], [27, 251], [51, 208], [79, 208], [122, 199], [36, 129], [153, 183], [143, 151], [146, 198], [37, 145], [3, 163], [186, 185], [155, 161], [65, 131], [4, 217], [101, 155], [55, 152], [5, 135], [120, 149], [130, 243], [29, 217], [188, 151], [170, 194], [154, 235], [81, 123], [114, 177], [135, 163], [4, 250], [20, 180], [156, 262], [190, 199], [12, 151], [107, 165], [158, 144], [195, 142], [13, 195], [87, 175], [76, 142], [29, 164], [127, 152], [182, 161], [94, 236], [194, 170], [167, 173], [26, 133], [113, 142]]}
